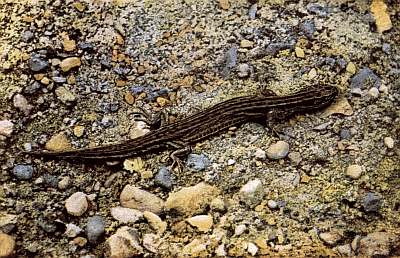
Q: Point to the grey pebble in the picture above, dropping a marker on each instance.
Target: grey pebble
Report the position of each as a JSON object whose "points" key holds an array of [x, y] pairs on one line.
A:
{"points": [[372, 202], [38, 63], [272, 204], [365, 78], [386, 48], [164, 178], [59, 79], [253, 11], [32, 88], [50, 180], [273, 48], [243, 70], [95, 228], [23, 172], [308, 27], [345, 134], [197, 162], [27, 36], [317, 9]]}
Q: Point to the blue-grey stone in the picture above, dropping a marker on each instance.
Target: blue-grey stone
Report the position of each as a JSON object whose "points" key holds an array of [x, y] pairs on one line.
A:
{"points": [[50, 180], [59, 79], [386, 48], [372, 202], [164, 178], [32, 88], [95, 228], [365, 77], [345, 134], [253, 11], [23, 172], [308, 28], [318, 9], [197, 162], [37, 63]]}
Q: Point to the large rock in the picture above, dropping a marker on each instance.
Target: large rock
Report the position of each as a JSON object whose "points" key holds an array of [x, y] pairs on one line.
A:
{"points": [[135, 198]]}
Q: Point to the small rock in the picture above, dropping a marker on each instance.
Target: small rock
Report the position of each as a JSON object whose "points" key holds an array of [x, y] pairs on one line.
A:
{"points": [[354, 171], [252, 249], [23, 172], [155, 221], [50, 180], [278, 150], [7, 222], [37, 63], [341, 106], [365, 78], [72, 230], [191, 200], [76, 204], [386, 48], [382, 17], [253, 11], [330, 238], [389, 142], [69, 63], [79, 130], [372, 202], [80, 241], [299, 52], [135, 198], [252, 193], [7, 245], [202, 222], [65, 95], [318, 9], [272, 204], [373, 92], [231, 162], [151, 242], [32, 88], [196, 248], [351, 68], [6, 128], [308, 28], [197, 162], [64, 183], [230, 60], [126, 215], [217, 204], [95, 228], [21, 103], [243, 70], [27, 36], [134, 164], [345, 250], [58, 142], [124, 243], [379, 244], [345, 134], [295, 158], [244, 43], [260, 154], [220, 251], [239, 229], [164, 178], [224, 4]]}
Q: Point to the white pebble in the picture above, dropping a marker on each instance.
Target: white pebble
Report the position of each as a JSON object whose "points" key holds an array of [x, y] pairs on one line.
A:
{"points": [[354, 171], [278, 150], [272, 204], [260, 154], [6, 127], [389, 142], [76, 204], [373, 92], [252, 249], [240, 229], [231, 162]]}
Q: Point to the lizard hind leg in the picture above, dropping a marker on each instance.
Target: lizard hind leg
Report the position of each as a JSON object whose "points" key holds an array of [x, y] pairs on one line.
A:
{"points": [[182, 149]]}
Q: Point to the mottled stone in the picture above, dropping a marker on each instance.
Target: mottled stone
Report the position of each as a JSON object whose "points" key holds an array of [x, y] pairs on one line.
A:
{"points": [[38, 63], [278, 150], [58, 142], [126, 215], [124, 243], [155, 221], [135, 198], [65, 95], [69, 63], [252, 193], [365, 78], [379, 244], [197, 162], [354, 171], [22, 104], [23, 172], [202, 222], [95, 228], [372, 202], [164, 178], [72, 230], [76, 204], [330, 238], [6, 127]]}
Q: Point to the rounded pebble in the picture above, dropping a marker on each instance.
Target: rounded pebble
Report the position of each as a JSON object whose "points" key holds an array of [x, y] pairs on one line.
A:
{"points": [[7, 245], [272, 204], [76, 204], [164, 178], [202, 222], [23, 172], [354, 171], [373, 92], [260, 154], [95, 228], [252, 249], [243, 70], [6, 127], [136, 198], [389, 142], [197, 162], [278, 150]]}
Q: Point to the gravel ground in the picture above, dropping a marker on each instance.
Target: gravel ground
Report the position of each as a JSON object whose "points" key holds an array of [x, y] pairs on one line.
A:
{"points": [[73, 73]]}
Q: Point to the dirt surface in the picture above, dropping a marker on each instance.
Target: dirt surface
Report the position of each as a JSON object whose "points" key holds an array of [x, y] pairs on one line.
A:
{"points": [[72, 74]]}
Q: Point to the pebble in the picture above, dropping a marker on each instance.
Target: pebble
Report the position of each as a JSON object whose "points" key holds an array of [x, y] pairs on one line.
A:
{"points": [[272, 204], [151, 242], [37, 63], [72, 230], [124, 243], [378, 244], [308, 28], [191, 200], [126, 215], [79, 130], [196, 248], [231, 58], [253, 11], [373, 92], [278, 150], [386, 48], [341, 106], [345, 134], [64, 183], [217, 204], [318, 9], [6, 127], [27, 36], [364, 78], [7, 222], [372, 202], [260, 154], [351, 68], [299, 52], [80, 241], [58, 142], [134, 165], [32, 88], [23, 172], [231, 162], [243, 70], [69, 63], [252, 249], [65, 95], [220, 251], [252, 193], [197, 162], [50, 180], [295, 158], [155, 221], [345, 250], [21, 103], [76, 204], [202, 222], [95, 228], [164, 178], [330, 238], [244, 43], [239, 229], [354, 171], [135, 198], [224, 4], [389, 142], [7, 245]]}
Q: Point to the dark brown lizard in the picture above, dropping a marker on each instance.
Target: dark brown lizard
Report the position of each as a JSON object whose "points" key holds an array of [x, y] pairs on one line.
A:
{"points": [[211, 121]]}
